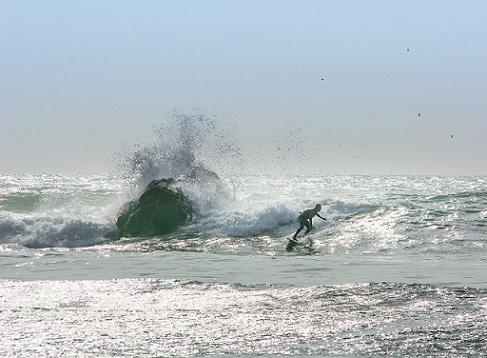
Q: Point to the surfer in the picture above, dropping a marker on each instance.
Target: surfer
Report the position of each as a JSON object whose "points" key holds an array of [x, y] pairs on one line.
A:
{"points": [[306, 219]]}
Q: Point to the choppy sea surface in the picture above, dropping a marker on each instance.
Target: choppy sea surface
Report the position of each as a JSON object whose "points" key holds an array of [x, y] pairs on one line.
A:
{"points": [[399, 268]]}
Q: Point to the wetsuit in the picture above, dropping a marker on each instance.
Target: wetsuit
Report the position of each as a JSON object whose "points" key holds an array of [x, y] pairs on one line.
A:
{"points": [[306, 219]]}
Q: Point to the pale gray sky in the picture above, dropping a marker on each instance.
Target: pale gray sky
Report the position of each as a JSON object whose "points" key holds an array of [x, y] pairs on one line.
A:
{"points": [[81, 80]]}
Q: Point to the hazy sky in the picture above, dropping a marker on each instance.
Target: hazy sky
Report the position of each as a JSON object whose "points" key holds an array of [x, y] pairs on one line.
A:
{"points": [[81, 80]]}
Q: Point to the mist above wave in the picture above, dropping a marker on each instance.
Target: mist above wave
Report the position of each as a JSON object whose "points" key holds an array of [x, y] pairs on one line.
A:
{"points": [[181, 144]]}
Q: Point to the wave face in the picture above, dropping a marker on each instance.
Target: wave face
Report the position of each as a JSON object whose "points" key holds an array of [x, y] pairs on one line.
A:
{"points": [[254, 214]]}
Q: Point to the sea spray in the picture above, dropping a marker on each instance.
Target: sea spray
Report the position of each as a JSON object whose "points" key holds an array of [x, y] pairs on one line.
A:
{"points": [[181, 144]]}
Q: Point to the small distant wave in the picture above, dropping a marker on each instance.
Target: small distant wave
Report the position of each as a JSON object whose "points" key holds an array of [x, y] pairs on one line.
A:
{"points": [[460, 195], [340, 209], [404, 291], [20, 202]]}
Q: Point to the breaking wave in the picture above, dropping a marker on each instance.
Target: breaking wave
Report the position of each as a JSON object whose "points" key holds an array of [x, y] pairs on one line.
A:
{"points": [[38, 232], [52, 210]]}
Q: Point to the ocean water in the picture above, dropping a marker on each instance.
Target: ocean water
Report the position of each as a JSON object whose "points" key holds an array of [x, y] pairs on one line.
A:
{"points": [[399, 268]]}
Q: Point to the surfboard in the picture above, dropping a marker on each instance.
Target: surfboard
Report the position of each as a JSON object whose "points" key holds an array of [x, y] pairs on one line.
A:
{"points": [[291, 244], [304, 246]]}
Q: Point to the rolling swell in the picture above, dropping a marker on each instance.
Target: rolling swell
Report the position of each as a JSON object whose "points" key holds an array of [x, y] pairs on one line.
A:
{"points": [[20, 202], [461, 195]]}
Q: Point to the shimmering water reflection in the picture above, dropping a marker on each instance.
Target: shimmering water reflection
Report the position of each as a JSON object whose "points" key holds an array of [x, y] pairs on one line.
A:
{"points": [[148, 317]]}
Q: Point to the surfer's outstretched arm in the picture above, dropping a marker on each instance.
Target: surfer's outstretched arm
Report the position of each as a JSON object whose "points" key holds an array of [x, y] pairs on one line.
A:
{"points": [[321, 217]]}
